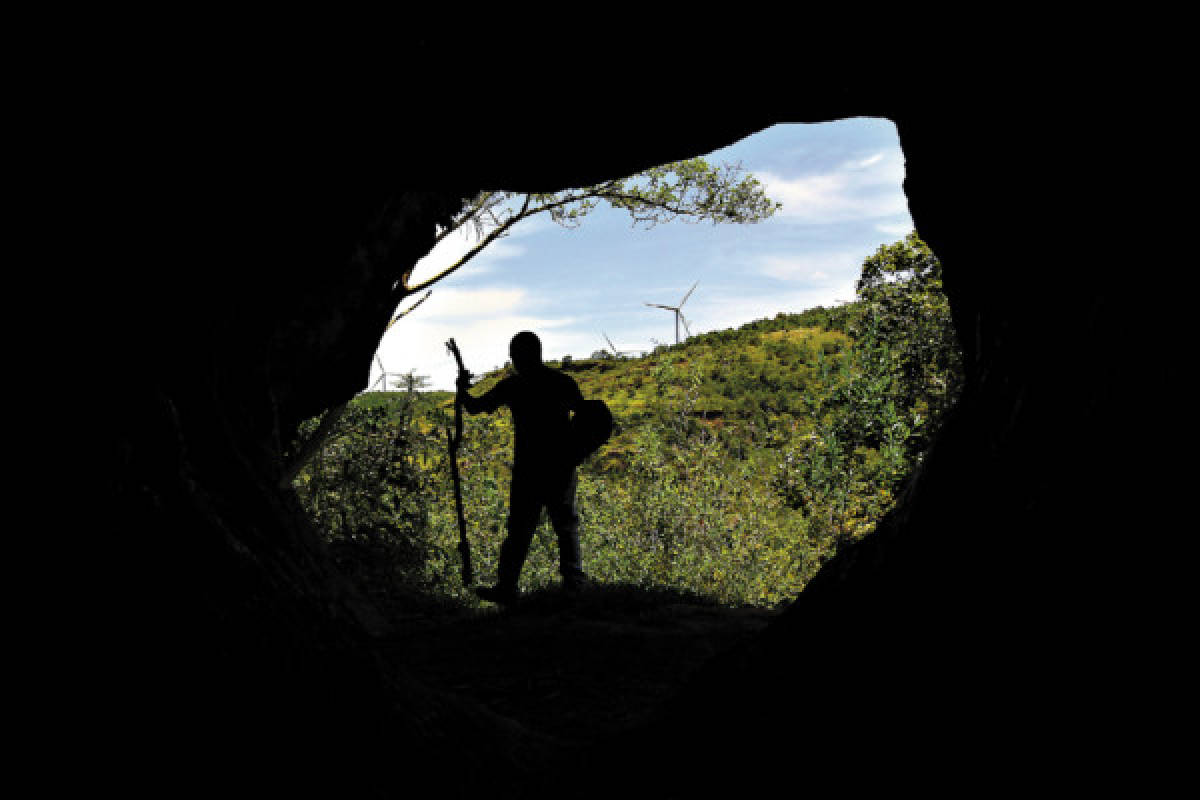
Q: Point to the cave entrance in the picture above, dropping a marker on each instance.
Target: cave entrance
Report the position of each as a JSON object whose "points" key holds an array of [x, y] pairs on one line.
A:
{"points": [[766, 382], [816, 357]]}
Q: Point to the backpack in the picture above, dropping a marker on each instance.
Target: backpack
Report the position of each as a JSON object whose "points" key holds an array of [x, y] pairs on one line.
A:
{"points": [[591, 425]]}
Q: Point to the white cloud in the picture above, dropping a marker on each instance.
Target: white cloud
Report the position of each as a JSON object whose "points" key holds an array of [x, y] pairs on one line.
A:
{"points": [[866, 162], [452, 303], [895, 228], [483, 342], [861, 189], [458, 243], [813, 268], [481, 321]]}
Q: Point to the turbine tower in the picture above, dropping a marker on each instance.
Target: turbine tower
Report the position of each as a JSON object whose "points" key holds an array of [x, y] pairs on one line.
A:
{"points": [[678, 314], [383, 376]]}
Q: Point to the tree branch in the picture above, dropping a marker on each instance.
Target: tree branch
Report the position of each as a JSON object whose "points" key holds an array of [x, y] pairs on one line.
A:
{"points": [[310, 447], [409, 310], [661, 201], [478, 207], [495, 234]]}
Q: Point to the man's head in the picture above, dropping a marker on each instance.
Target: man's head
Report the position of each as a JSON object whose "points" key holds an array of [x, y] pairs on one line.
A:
{"points": [[525, 350]]}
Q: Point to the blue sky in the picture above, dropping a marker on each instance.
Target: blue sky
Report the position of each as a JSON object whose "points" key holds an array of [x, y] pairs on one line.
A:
{"points": [[840, 185]]}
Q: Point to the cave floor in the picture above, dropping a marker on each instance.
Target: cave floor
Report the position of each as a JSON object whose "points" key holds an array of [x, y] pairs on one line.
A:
{"points": [[577, 669]]}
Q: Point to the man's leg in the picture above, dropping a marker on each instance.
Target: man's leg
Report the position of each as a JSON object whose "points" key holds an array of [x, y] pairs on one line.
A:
{"points": [[560, 505], [524, 508]]}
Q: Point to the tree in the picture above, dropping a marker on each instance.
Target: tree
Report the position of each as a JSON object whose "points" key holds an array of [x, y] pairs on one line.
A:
{"points": [[369, 495], [411, 382], [692, 190], [877, 404], [907, 324]]}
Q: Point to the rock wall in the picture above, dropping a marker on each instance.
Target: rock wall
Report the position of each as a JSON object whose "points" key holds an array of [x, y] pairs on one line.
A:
{"points": [[260, 247]]}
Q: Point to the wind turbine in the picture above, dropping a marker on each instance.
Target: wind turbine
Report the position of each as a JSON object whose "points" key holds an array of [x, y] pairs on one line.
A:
{"points": [[678, 314], [613, 348]]}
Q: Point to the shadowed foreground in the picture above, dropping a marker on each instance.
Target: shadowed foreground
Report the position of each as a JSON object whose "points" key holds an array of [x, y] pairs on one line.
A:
{"points": [[576, 669]]}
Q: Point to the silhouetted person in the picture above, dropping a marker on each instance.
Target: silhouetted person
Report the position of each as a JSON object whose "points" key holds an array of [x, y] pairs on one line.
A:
{"points": [[541, 400]]}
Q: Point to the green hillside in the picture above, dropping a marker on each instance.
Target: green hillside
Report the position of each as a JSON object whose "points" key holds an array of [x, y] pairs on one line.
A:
{"points": [[741, 460], [770, 371]]}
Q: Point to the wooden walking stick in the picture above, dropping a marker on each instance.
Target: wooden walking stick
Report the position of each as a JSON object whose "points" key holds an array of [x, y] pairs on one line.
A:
{"points": [[453, 440]]}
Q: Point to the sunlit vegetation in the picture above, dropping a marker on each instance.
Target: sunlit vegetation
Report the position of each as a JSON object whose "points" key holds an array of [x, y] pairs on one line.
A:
{"points": [[741, 461]]}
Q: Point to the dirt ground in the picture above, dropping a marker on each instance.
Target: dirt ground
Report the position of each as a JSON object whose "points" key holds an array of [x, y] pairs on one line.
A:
{"points": [[576, 669]]}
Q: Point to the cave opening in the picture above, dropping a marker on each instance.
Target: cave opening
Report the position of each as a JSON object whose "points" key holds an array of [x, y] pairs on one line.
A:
{"points": [[844, 394]]}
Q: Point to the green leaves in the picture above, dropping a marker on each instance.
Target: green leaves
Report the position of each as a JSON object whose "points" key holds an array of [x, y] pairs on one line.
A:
{"points": [[907, 325], [692, 189], [882, 401]]}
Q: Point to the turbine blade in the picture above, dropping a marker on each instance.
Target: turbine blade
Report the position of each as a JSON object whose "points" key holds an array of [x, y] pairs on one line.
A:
{"points": [[689, 293]]}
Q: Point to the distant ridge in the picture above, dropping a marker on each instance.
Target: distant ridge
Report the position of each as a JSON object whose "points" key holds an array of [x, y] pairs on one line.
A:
{"points": [[761, 367]]}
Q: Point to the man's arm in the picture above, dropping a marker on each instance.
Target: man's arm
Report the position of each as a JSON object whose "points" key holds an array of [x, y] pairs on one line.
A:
{"points": [[487, 403]]}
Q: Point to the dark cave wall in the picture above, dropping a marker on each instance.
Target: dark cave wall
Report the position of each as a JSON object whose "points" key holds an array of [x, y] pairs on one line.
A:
{"points": [[236, 648], [977, 638], [261, 294]]}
